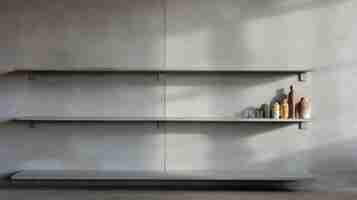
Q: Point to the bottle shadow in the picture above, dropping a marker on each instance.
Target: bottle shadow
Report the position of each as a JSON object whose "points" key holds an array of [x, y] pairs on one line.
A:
{"points": [[250, 111]]}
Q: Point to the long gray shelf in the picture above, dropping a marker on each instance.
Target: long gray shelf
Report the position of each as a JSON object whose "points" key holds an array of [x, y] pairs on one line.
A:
{"points": [[93, 175], [297, 69], [154, 119]]}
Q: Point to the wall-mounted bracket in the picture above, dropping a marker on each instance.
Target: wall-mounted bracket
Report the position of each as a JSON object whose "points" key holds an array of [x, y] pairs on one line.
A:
{"points": [[303, 125], [157, 124], [303, 76], [32, 124], [160, 76], [30, 76]]}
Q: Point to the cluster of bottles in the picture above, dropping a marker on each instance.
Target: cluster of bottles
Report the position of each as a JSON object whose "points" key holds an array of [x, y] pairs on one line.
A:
{"points": [[286, 108]]}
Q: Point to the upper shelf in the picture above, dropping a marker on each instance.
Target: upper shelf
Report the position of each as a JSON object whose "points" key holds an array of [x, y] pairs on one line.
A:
{"points": [[158, 69], [300, 71]]}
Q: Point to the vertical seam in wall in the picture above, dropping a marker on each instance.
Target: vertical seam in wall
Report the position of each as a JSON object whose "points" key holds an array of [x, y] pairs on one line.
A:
{"points": [[164, 5], [165, 33]]}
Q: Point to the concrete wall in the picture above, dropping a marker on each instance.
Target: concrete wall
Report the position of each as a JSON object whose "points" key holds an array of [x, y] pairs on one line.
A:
{"points": [[175, 34]]}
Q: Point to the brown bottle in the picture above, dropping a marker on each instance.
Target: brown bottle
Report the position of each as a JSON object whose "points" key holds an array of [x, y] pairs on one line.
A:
{"points": [[284, 109], [298, 110], [305, 112], [291, 102]]}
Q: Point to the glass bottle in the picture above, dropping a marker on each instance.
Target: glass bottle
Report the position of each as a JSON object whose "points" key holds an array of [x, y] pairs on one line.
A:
{"points": [[284, 109], [291, 102], [276, 110], [266, 111], [305, 108]]}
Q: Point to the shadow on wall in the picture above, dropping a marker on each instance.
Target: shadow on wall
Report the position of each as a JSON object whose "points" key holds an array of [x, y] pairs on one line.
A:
{"points": [[333, 166], [224, 27], [84, 33], [220, 39], [214, 146], [62, 47], [94, 94], [81, 146], [220, 82], [250, 112], [130, 33], [247, 10]]}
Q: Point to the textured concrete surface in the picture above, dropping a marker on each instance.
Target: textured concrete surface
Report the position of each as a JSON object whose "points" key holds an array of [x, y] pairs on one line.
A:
{"points": [[197, 33]]}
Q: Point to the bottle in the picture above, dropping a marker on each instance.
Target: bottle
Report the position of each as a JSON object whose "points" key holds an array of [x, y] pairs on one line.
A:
{"points": [[298, 110], [305, 108], [291, 102], [284, 113], [276, 110], [258, 113], [266, 111]]}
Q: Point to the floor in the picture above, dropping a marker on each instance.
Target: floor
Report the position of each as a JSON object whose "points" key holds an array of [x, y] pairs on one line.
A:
{"points": [[175, 195]]}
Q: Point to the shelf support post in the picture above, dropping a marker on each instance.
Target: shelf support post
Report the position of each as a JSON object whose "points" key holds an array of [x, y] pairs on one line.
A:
{"points": [[158, 76], [32, 124], [157, 124], [303, 125], [30, 76], [303, 76]]}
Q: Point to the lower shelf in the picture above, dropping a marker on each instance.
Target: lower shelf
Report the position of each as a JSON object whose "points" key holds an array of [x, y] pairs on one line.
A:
{"points": [[71, 175]]}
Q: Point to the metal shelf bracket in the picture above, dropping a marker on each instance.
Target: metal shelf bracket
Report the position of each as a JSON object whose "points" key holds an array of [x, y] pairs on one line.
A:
{"points": [[160, 76], [157, 124], [32, 124], [303, 76], [303, 125]]}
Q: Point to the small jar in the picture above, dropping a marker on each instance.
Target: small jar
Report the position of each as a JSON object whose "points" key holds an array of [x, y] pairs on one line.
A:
{"points": [[305, 108], [276, 111], [284, 109]]}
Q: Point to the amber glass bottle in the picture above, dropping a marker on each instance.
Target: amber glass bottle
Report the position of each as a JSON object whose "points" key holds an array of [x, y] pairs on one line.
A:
{"points": [[284, 113], [291, 102]]}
